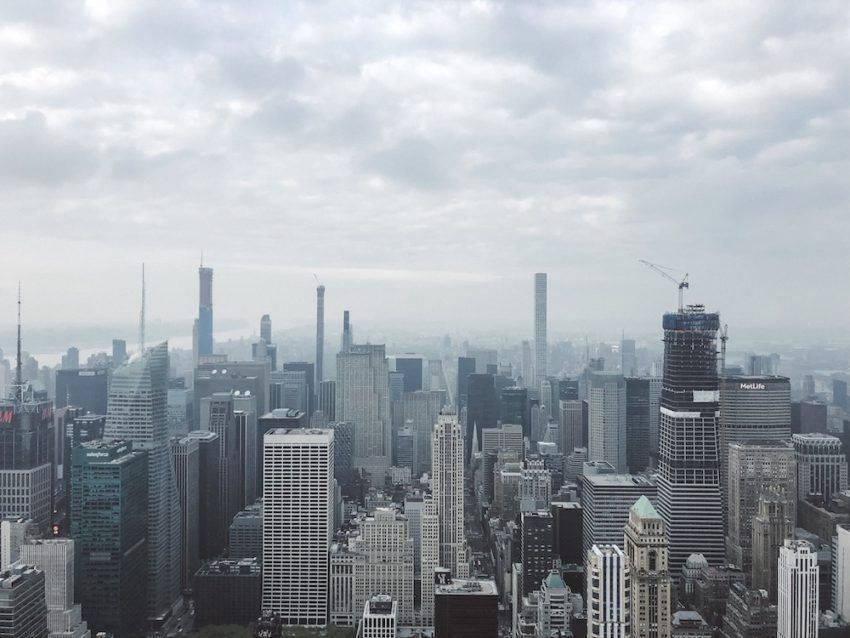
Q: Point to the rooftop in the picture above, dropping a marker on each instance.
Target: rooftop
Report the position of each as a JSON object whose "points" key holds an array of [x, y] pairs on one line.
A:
{"points": [[471, 587], [643, 508]]}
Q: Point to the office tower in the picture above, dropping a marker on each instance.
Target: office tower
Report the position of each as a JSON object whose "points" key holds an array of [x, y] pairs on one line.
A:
{"points": [[245, 539], [465, 367], [13, 534], [606, 498], [137, 413], [535, 485], [773, 523], [119, 352], [263, 352], [180, 411], [430, 558], [749, 614], [327, 399], [841, 572], [540, 346], [821, 466], [689, 497], [570, 425], [228, 592], [797, 605], [245, 417], [411, 367], [217, 416], [482, 409], [813, 416], [537, 548], [514, 408], [205, 312], [82, 388], [109, 502], [436, 378], [628, 359], [637, 423], [526, 364], [755, 468], [607, 419], [362, 398], [405, 453], [298, 471], [26, 453], [385, 563], [308, 369], [447, 489], [567, 530], [185, 463], [212, 539], [380, 617], [646, 548], [505, 438], [839, 393], [395, 386], [608, 592], [266, 328], [507, 474], [23, 612], [216, 374], [71, 359], [554, 606], [347, 333], [421, 410], [466, 608]]}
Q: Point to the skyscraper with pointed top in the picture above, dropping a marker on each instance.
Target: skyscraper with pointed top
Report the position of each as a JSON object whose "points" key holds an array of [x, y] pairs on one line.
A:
{"points": [[205, 310], [320, 333]]}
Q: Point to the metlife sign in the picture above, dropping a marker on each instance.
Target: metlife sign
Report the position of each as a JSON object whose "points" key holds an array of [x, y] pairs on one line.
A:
{"points": [[752, 386]]}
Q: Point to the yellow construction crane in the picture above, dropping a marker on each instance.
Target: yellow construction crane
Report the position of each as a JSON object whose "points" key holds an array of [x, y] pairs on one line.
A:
{"points": [[664, 271]]}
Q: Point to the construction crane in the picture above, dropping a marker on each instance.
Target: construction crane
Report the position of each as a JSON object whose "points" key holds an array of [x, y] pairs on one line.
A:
{"points": [[724, 337], [664, 271]]}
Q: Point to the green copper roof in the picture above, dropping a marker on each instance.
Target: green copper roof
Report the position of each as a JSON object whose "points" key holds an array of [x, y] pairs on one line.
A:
{"points": [[644, 508], [554, 581]]}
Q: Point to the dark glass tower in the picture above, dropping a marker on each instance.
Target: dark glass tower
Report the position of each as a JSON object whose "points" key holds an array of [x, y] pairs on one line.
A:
{"points": [[205, 311], [515, 408], [637, 423], [482, 410], [689, 464], [465, 367]]}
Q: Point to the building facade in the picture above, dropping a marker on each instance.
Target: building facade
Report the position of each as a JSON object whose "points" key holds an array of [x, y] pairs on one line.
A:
{"points": [[448, 492], [608, 593], [797, 606]]}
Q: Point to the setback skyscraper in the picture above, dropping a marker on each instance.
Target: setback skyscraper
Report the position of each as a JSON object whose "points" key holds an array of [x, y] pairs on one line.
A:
{"points": [[689, 497], [137, 413], [447, 484], [540, 347]]}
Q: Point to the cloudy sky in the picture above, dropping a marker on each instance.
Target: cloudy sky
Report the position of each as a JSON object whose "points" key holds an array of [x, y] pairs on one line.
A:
{"points": [[424, 159]]}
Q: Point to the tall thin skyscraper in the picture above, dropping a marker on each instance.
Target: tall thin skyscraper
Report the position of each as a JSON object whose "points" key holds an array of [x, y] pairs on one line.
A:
{"points": [[266, 329], [607, 419], [608, 584], [320, 333], [689, 498], [205, 311], [540, 347], [447, 489], [797, 605], [137, 412], [347, 332], [298, 513]]}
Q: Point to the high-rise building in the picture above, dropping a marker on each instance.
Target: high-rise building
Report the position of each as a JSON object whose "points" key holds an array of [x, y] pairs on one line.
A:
{"points": [[245, 416], [181, 415], [347, 333], [773, 523], [645, 546], [13, 534], [540, 345], [212, 539], [607, 419], [608, 593], [23, 612], [420, 409], [205, 311], [411, 367], [821, 465], [841, 572], [119, 352], [430, 558], [217, 416], [628, 359], [109, 524], [570, 425], [797, 605], [465, 367], [537, 548], [689, 497], [754, 469], [380, 617], [839, 394], [246, 533], [137, 413], [362, 399], [482, 409], [320, 334], [749, 614], [185, 462], [637, 423], [567, 531], [465, 608], [514, 408], [228, 592], [266, 328], [327, 399], [309, 376], [82, 388], [505, 438], [447, 489], [298, 504], [217, 374]]}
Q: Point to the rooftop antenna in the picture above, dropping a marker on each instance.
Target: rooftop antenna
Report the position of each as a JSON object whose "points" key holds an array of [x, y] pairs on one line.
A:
{"points": [[142, 314], [19, 382]]}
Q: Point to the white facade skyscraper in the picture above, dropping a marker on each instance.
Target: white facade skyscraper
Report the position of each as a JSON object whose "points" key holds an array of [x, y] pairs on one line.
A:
{"points": [[540, 346], [608, 593], [797, 604], [362, 398], [606, 419], [298, 512], [447, 488], [137, 412]]}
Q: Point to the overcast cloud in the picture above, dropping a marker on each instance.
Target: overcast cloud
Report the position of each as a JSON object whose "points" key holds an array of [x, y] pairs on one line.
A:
{"points": [[425, 159]]}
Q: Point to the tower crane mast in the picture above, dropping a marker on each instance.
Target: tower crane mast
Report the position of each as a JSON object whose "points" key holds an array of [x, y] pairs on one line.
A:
{"points": [[664, 271]]}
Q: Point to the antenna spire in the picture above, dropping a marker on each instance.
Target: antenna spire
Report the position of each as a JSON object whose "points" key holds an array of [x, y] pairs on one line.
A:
{"points": [[19, 363], [142, 314]]}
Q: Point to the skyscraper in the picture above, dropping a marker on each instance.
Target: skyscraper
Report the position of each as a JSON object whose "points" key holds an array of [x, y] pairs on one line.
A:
{"points": [[465, 367], [23, 613], [298, 517], [689, 498], [430, 557], [607, 419], [538, 545], [205, 311], [185, 462], [637, 423], [266, 328], [540, 346], [482, 409], [646, 548], [821, 465], [137, 413], [797, 606], [608, 593], [320, 334], [362, 399], [347, 332], [773, 523], [217, 416], [628, 360], [447, 488]]}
